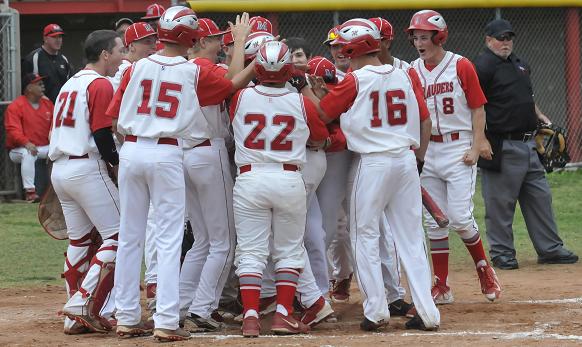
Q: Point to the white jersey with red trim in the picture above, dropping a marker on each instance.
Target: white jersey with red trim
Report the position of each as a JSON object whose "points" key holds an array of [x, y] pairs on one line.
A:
{"points": [[160, 99], [385, 115], [116, 80], [71, 128], [339, 74], [400, 64], [214, 125], [270, 126], [445, 98]]}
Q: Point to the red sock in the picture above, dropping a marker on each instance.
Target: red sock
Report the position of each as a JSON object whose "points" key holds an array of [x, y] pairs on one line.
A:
{"points": [[475, 247], [286, 283], [250, 291], [439, 252]]}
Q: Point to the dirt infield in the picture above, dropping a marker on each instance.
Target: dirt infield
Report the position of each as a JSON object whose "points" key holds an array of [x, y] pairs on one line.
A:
{"points": [[541, 305]]}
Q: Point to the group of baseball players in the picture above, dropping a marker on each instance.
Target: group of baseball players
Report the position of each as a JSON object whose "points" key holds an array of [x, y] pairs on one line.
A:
{"points": [[329, 158]]}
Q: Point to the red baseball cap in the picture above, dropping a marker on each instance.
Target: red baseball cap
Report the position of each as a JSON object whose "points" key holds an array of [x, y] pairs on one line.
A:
{"points": [[227, 38], [52, 30], [138, 31], [30, 78], [259, 23], [332, 34], [207, 27], [385, 28], [154, 11], [322, 67]]}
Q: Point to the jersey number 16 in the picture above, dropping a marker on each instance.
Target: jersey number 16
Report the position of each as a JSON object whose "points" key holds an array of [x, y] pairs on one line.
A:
{"points": [[396, 110]]}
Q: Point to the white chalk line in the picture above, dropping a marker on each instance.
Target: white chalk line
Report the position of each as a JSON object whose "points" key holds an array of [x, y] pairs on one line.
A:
{"points": [[550, 301]]}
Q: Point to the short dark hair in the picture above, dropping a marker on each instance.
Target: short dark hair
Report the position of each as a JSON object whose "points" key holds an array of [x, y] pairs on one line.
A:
{"points": [[295, 43], [97, 42]]}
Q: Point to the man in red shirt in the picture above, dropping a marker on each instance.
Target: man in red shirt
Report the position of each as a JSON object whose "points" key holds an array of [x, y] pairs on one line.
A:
{"points": [[27, 121]]}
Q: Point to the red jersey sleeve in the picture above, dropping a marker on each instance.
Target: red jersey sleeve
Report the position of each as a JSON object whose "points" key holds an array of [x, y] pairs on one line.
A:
{"points": [[341, 98], [115, 104], [470, 83], [234, 103], [13, 119], [418, 91], [212, 87], [337, 137], [100, 93], [317, 129], [210, 65]]}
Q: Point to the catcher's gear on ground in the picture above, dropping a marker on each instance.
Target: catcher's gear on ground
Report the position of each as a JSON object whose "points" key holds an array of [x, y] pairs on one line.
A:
{"points": [[50, 215], [551, 146]]}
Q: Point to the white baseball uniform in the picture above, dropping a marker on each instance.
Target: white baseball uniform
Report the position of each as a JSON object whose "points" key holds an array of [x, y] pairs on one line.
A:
{"points": [[88, 196], [382, 122], [158, 102], [209, 187], [451, 90]]}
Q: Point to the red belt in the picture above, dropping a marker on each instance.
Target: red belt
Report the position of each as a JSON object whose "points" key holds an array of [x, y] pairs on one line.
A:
{"points": [[86, 156], [440, 138], [204, 143], [161, 140], [286, 167]]}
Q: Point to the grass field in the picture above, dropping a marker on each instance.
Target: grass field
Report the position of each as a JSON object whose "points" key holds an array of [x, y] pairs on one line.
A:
{"points": [[29, 257]]}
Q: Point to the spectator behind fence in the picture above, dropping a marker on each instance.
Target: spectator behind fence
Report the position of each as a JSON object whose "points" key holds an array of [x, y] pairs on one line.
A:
{"points": [[27, 121], [49, 62], [515, 172]]}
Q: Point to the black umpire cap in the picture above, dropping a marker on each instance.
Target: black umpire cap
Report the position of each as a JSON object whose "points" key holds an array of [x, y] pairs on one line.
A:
{"points": [[498, 27]]}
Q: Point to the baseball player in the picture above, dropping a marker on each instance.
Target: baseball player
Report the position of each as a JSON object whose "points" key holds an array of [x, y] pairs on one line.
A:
{"points": [[209, 187], [81, 146], [152, 17], [271, 134], [455, 100], [158, 102], [382, 117]]}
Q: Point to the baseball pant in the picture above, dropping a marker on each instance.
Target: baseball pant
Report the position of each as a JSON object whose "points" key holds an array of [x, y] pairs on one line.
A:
{"points": [[150, 171], [209, 201], [340, 250], [389, 183], [150, 257], [26, 160], [522, 178]]}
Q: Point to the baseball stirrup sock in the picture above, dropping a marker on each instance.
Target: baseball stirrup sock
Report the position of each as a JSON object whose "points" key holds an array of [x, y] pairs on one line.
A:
{"points": [[286, 282], [439, 252], [250, 290], [77, 260], [475, 247]]}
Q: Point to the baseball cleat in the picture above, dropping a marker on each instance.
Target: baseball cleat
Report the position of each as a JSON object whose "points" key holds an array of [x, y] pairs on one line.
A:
{"points": [[490, 286], [341, 290], [368, 325], [402, 308], [266, 306], [76, 329], [196, 324], [96, 324], [417, 323], [251, 327], [139, 329], [317, 312], [168, 335], [287, 325], [442, 294]]}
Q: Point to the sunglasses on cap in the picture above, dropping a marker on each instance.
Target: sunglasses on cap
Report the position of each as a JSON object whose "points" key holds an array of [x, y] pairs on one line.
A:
{"points": [[504, 37]]}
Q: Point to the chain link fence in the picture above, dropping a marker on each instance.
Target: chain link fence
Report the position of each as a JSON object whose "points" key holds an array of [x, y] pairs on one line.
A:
{"points": [[9, 89], [540, 40]]}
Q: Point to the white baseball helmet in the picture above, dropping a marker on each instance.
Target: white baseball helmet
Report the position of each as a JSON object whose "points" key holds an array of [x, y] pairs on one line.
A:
{"points": [[358, 36], [179, 24], [254, 41], [273, 63]]}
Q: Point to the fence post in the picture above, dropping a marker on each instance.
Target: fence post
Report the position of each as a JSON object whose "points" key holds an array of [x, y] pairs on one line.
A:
{"points": [[573, 90]]}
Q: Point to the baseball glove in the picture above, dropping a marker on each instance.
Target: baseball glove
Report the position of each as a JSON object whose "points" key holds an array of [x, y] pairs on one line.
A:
{"points": [[551, 146], [50, 215]]}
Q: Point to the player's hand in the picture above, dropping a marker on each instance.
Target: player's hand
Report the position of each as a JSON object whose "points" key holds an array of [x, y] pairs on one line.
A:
{"points": [[471, 156], [298, 80], [485, 150], [318, 86], [241, 29], [544, 119], [419, 165], [31, 148], [317, 144]]}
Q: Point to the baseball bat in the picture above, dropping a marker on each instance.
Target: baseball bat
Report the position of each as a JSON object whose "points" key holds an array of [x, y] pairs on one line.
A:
{"points": [[439, 216]]}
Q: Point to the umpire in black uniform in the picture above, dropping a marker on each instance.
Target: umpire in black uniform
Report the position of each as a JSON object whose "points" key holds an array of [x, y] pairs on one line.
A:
{"points": [[49, 62], [515, 172]]}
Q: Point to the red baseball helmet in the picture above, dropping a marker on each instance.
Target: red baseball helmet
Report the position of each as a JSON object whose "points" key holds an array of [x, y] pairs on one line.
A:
{"points": [[179, 25], [385, 28], [432, 21], [273, 63], [332, 34], [322, 67], [358, 37], [259, 23], [154, 11], [254, 42]]}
